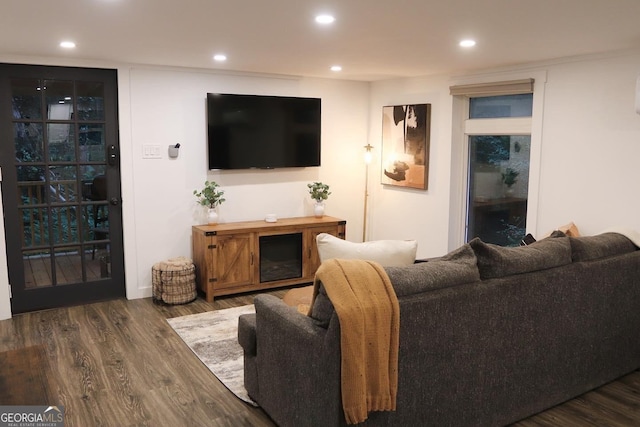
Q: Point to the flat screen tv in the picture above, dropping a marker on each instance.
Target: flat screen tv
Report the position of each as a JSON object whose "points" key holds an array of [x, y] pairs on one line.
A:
{"points": [[254, 131]]}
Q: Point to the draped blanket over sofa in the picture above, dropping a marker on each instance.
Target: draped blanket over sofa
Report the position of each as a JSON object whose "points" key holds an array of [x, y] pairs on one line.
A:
{"points": [[488, 336], [367, 308]]}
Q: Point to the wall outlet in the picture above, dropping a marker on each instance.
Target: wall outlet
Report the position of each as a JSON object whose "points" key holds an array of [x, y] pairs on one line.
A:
{"points": [[151, 151]]}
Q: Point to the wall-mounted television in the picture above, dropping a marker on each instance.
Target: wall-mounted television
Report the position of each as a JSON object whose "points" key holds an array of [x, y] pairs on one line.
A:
{"points": [[257, 131]]}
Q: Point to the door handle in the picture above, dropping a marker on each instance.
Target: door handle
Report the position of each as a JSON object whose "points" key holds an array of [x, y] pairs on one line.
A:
{"points": [[113, 156], [114, 201]]}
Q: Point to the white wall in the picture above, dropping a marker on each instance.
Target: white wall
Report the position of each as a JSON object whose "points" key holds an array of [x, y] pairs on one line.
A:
{"points": [[167, 106], [589, 152], [404, 213], [591, 145]]}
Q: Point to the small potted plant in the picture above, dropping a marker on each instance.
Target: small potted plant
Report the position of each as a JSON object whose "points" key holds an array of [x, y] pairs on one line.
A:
{"points": [[319, 192], [509, 177], [210, 196]]}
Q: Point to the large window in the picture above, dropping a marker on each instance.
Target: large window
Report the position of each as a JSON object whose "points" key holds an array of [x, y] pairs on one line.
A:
{"points": [[497, 135]]}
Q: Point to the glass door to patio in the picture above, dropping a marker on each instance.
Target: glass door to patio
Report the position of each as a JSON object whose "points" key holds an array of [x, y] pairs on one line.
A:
{"points": [[61, 185]]}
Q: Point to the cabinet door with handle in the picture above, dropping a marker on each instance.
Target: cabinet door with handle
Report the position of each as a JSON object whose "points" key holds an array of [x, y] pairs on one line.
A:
{"points": [[313, 259], [234, 263]]}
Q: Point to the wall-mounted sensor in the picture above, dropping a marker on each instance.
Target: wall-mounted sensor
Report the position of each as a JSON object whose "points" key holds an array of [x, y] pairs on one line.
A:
{"points": [[173, 151]]}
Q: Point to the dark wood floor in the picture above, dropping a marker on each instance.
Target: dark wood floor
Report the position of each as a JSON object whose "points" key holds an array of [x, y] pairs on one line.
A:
{"points": [[118, 363]]}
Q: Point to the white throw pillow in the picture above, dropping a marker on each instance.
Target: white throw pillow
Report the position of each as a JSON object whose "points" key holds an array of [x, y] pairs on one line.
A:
{"points": [[388, 253]]}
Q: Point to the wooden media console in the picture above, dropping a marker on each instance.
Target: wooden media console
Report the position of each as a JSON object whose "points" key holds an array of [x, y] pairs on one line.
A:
{"points": [[247, 256]]}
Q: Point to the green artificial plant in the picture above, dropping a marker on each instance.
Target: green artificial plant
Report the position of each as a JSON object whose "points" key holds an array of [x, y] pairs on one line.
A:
{"points": [[319, 191], [210, 195]]}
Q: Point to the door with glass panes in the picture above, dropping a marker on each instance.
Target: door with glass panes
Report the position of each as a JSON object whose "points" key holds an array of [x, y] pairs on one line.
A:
{"points": [[498, 132], [59, 156]]}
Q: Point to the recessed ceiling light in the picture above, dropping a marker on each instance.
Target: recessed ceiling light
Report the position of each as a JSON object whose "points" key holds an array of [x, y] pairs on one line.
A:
{"points": [[336, 68], [467, 43], [325, 19], [220, 57], [67, 44]]}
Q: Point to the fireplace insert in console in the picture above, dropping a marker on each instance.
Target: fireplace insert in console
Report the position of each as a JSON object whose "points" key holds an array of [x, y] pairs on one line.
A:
{"points": [[280, 257]]}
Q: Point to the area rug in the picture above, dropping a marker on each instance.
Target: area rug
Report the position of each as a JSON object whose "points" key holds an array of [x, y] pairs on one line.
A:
{"points": [[213, 337]]}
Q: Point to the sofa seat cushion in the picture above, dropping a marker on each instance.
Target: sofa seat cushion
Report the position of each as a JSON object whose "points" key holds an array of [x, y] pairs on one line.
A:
{"points": [[497, 261], [604, 245], [384, 252], [300, 298]]}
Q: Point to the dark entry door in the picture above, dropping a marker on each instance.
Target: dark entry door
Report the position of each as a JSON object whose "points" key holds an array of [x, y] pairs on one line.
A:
{"points": [[59, 156]]}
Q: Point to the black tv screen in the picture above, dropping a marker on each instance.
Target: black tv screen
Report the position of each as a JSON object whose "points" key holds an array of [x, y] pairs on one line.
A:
{"points": [[254, 131]]}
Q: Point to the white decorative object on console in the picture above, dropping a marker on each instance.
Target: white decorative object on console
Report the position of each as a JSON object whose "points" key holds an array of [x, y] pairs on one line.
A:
{"points": [[271, 218], [212, 216], [318, 209]]}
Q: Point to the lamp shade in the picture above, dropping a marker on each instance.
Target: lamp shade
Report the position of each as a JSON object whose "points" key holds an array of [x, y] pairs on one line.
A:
{"points": [[368, 156]]}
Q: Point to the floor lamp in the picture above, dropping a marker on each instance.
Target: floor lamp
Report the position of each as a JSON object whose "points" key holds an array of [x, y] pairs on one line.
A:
{"points": [[367, 160]]}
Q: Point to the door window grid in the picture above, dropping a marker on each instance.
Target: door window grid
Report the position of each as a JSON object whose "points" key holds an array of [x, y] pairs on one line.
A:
{"points": [[55, 199]]}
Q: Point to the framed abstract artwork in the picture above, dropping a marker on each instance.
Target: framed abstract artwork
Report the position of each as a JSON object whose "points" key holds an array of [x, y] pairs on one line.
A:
{"points": [[405, 145]]}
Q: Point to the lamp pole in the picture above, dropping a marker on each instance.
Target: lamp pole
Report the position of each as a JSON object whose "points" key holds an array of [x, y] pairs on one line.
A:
{"points": [[367, 161]]}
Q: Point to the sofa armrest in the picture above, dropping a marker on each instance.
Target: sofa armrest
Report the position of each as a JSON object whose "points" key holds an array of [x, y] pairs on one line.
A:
{"points": [[297, 365], [281, 326], [247, 333]]}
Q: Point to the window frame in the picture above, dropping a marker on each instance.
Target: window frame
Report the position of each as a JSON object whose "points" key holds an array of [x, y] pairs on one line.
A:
{"points": [[462, 127]]}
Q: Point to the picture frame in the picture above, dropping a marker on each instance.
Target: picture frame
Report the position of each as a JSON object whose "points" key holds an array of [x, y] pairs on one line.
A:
{"points": [[406, 131]]}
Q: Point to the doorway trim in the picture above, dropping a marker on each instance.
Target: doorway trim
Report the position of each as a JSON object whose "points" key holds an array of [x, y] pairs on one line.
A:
{"points": [[459, 152], [5, 289]]}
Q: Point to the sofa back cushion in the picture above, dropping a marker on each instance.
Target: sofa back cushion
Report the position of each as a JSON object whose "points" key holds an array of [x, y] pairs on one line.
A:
{"points": [[322, 308], [497, 261], [456, 268], [601, 246]]}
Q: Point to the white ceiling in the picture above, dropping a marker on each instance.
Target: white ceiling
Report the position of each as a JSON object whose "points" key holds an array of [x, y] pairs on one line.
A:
{"points": [[372, 40]]}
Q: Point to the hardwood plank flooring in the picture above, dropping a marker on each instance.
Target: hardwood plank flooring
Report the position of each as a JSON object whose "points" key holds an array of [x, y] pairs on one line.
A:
{"points": [[119, 363]]}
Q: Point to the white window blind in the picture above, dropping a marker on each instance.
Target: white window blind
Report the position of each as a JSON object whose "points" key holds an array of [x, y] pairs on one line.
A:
{"points": [[511, 87]]}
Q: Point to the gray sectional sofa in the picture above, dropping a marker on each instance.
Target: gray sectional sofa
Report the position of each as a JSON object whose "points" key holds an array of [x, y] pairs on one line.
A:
{"points": [[488, 336]]}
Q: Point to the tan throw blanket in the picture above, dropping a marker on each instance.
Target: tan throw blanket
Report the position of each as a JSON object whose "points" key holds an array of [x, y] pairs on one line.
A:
{"points": [[369, 315]]}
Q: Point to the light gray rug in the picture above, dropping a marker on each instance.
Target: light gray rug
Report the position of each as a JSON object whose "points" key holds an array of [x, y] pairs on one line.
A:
{"points": [[213, 337]]}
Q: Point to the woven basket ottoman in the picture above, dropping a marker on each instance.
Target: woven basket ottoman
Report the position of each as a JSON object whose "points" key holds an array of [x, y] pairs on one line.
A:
{"points": [[174, 281]]}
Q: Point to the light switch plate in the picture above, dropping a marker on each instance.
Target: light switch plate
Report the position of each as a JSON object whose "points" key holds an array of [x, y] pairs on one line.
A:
{"points": [[151, 151]]}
